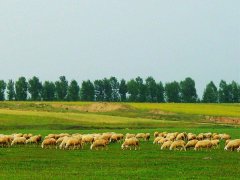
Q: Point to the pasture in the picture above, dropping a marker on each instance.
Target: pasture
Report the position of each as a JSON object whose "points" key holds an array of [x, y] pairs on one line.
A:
{"points": [[30, 161]]}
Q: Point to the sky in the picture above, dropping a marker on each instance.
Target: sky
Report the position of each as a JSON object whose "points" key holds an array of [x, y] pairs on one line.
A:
{"points": [[92, 39]]}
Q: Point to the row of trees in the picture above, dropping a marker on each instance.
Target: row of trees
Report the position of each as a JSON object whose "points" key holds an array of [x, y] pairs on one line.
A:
{"points": [[110, 89]]}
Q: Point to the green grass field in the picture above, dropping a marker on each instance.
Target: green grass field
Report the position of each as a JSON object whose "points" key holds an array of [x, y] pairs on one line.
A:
{"points": [[28, 162]]}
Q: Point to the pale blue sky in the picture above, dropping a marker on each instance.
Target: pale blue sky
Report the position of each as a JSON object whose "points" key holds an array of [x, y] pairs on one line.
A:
{"points": [[90, 39]]}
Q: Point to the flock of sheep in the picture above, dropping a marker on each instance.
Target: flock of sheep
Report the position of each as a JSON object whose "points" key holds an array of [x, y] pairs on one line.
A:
{"points": [[171, 141]]}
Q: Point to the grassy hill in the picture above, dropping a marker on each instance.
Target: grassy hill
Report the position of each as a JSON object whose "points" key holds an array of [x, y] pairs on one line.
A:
{"points": [[24, 162]]}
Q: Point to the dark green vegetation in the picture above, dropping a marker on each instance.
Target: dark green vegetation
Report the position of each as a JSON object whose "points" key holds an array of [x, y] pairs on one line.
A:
{"points": [[26, 162], [113, 90]]}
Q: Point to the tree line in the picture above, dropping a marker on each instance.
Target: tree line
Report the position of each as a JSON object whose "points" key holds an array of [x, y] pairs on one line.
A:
{"points": [[112, 90]]}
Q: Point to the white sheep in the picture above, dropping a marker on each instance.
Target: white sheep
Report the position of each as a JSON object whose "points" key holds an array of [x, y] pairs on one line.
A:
{"points": [[48, 142], [166, 145], [99, 143], [178, 144], [191, 143], [132, 142], [19, 140], [232, 145], [203, 144]]}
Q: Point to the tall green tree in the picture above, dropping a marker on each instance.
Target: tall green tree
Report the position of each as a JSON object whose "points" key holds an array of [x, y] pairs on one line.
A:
{"points": [[142, 90], [235, 92], [115, 89], [224, 92], [99, 90], [123, 90], [107, 90], [35, 88], [151, 92], [21, 87], [160, 92], [210, 94], [48, 91], [62, 88], [87, 91], [10, 90], [132, 87], [2, 90], [73, 91], [188, 90], [172, 91]]}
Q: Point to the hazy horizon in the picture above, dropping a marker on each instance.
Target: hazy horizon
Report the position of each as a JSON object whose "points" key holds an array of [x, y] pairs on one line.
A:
{"points": [[168, 40]]}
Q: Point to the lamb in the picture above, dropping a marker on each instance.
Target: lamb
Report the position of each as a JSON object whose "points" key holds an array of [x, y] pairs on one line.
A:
{"points": [[232, 145], [166, 145], [178, 144], [203, 144], [130, 142], [191, 143], [99, 143], [19, 140], [48, 143]]}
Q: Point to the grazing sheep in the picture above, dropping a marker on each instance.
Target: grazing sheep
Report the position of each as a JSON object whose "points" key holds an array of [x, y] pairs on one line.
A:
{"points": [[156, 134], [34, 139], [157, 139], [48, 143], [144, 136], [238, 149], [140, 136], [178, 144], [225, 137], [180, 136], [128, 136], [191, 136], [227, 141], [87, 139], [166, 145], [203, 144], [191, 143], [116, 137], [207, 136], [63, 143], [132, 142], [74, 143], [99, 143], [232, 145], [200, 137], [19, 140], [5, 141], [215, 143], [216, 137], [163, 140]]}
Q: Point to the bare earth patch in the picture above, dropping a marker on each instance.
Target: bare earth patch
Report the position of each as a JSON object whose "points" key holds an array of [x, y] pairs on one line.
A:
{"points": [[160, 112], [96, 107], [225, 120]]}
